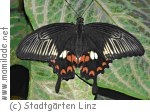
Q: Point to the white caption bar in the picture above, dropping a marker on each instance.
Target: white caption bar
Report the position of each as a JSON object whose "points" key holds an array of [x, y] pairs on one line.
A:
{"points": [[75, 106]]}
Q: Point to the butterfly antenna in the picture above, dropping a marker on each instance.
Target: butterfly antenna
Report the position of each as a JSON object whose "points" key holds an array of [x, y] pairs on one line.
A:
{"points": [[87, 8], [72, 8]]}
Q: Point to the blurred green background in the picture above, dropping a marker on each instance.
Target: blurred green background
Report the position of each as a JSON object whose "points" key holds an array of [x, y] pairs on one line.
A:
{"points": [[130, 76]]}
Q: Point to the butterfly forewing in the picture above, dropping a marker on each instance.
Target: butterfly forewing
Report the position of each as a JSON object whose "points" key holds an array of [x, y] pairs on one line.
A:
{"points": [[112, 41], [47, 42]]}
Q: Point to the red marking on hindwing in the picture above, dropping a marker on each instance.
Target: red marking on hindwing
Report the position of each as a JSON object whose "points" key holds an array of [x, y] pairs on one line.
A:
{"points": [[63, 71], [92, 73], [74, 58], [82, 59], [87, 58], [69, 68], [85, 69], [69, 58], [99, 69], [104, 63]]}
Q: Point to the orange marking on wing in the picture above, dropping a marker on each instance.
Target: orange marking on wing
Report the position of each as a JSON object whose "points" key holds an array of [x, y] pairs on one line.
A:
{"points": [[92, 73], [87, 58], [82, 59], [69, 68], [85, 69], [74, 59], [104, 63], [99, 69], [69, 58], [63, 71], [57, 67]]}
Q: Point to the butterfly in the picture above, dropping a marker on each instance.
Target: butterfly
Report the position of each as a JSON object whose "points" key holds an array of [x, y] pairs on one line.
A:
{"points": [[89, 47]]}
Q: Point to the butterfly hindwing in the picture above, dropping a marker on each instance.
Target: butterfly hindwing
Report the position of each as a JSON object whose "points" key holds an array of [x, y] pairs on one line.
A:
{"points": [[64, 68], [91, 65]]}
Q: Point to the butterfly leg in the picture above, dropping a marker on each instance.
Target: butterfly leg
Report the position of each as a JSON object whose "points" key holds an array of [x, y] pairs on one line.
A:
{"points": [[58, 84], [94, 87]]}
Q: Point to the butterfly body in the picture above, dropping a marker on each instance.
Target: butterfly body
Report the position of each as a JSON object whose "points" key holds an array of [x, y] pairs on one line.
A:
{"points": [[89, 47]]}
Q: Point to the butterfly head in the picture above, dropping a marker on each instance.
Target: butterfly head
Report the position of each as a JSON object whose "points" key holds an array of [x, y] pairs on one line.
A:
{"points": [[80, 20]]}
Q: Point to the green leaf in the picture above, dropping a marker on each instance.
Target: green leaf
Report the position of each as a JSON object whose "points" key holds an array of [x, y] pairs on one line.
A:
{"points": [[42, 85], [18, 30], [128, 75], [14, 4]]}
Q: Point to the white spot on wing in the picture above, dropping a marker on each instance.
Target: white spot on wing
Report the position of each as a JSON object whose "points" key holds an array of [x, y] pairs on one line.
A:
{"points": [[92, 55], [95, 55], [63, 54]]}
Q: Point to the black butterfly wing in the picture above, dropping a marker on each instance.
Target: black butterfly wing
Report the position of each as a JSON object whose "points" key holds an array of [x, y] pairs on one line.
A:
{"points": [[106, 42], [47, 42], [112, 42]]}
